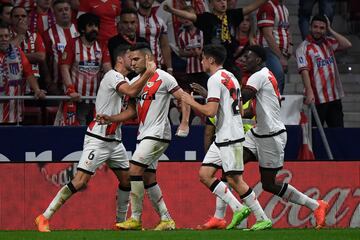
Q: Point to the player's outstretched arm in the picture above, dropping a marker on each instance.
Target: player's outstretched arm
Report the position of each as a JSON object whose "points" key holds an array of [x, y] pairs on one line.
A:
{"points": [[125, 115], [183, 129], [209, 109], [134, 89], [180, 13]]}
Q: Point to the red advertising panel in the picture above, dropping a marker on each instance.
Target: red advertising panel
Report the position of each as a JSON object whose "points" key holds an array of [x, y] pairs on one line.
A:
{"points": [[27, 189]]}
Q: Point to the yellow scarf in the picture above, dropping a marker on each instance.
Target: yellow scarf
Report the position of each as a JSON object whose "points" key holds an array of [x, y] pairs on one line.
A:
{"points": [[225, 33]]}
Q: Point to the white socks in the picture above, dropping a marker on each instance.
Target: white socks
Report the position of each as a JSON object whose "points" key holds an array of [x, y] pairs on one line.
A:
{"points": [[63, 194], [122, 204], [137, 197], [295, 196], [222, 191], [251, 201], [157, 200], [220, 209]]}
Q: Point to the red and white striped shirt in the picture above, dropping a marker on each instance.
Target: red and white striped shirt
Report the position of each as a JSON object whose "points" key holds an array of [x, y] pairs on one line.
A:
{"points": [[151, 28], [56, 39], [273, 14], [40, 22], [86, 63], [14, 68], [32, 43], [319, 60], [189, 41]]}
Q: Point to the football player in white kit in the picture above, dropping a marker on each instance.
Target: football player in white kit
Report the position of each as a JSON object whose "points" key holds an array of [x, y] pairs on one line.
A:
{"points": [[223, 102], [102, 143], [266, 141], [153, 138]]}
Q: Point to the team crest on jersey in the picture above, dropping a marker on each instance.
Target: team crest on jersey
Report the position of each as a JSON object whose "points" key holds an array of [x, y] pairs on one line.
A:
{"points": [[149, 84], [14, 68], [60, 47]]}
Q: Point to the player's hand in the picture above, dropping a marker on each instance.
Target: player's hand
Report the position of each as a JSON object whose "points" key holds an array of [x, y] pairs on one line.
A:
{"points": [[103, 119], [150, 64], [187, 98], [183, 130], [309, 98], [199, 89], [40, 94]]}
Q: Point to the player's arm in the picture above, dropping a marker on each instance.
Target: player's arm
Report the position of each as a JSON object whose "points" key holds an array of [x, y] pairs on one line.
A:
{"points": [[69, 86], [209, 109], [134, 89], [180, 13], [268, 35], [248, 93], [253, 6], [183, 129], [125, 115]]}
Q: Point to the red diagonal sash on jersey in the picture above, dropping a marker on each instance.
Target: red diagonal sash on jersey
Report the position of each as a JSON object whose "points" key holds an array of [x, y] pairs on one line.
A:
{"points": [[149, 91], [275, 85], [234, 93]]}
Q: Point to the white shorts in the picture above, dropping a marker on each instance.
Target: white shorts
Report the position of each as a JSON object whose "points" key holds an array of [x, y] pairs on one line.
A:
{"points": [[229, 157], [97, 152], [268, 150], [148, 152]]}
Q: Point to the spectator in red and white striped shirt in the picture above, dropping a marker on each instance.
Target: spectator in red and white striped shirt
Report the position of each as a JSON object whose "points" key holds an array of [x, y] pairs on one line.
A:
{"points": [[30, 43], [154, 30], [14, 69], [318, 69], [274, 35], [56, 38], [42, 17], [81, 64], [27, 4], [191, 41]]}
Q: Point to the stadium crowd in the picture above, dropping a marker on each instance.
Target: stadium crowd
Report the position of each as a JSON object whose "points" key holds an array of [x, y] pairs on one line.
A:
{"points": [[49, 49]]}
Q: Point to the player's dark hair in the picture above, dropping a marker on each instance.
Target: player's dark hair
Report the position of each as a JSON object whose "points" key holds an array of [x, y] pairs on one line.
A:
{"points": [[216, 51], [319, 17], [87, 19], [258, 50], [3, 6], [119, 51], [141, 46], [128, 11]]}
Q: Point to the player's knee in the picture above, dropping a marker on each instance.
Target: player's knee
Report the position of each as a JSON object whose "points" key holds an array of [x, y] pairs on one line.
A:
{"points": [[204, 177]]}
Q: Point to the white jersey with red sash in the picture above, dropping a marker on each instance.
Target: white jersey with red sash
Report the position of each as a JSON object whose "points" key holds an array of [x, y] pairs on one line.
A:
{"points": [[268, 119], [153, 106], [109, 102], [224, 88]]}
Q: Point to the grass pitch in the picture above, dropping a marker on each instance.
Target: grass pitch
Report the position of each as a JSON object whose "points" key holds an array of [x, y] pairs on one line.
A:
{"points": [[274, 234]]}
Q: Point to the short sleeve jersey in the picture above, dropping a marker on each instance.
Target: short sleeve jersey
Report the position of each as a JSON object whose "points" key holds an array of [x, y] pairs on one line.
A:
{"points": [[319, 59], [224, 88], [109, 102], [267, 102], [153, 106]]}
